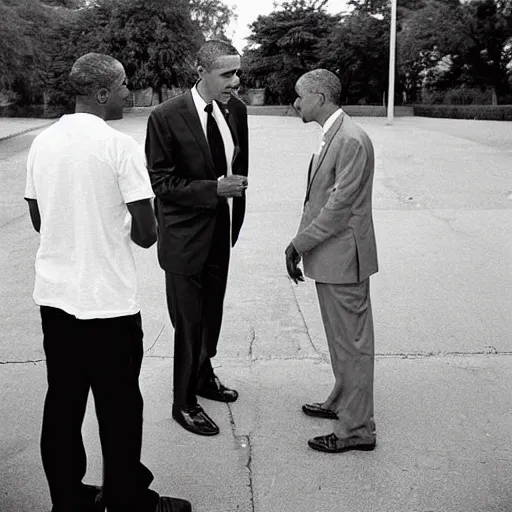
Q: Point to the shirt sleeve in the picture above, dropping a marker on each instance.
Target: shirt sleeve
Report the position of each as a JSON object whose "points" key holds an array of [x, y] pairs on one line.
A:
{"points": [[30, 189], [133, 176]]}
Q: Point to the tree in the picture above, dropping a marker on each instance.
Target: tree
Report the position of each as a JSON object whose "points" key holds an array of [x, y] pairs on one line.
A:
{"points": [[357, 51], [213, 17], [489, 25], [431, 45], [23, 46], [155, 41], [285, 44]]}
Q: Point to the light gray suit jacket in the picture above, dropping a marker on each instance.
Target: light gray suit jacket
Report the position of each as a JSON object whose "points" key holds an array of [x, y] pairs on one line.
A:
{"points": [[336, 236]]}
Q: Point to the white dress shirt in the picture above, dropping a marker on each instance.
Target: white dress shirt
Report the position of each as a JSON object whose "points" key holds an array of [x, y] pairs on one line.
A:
{"points": [[225, 132], [328, 124]]}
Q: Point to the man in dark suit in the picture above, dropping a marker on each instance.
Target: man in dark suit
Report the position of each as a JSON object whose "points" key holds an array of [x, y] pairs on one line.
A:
{"points": [[336, 241], [197, 153]]}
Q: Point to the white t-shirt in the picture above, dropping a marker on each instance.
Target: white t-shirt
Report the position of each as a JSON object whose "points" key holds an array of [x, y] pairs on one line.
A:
{"points": [[82, 173]]}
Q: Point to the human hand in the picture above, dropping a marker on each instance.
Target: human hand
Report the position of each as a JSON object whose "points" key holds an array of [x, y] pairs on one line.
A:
{"points": [[232, 186], [292, 261]]}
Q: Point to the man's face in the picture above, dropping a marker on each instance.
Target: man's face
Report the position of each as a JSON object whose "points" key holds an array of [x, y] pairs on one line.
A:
{"points": [[220, 81], [118, 92], [306, 103]]}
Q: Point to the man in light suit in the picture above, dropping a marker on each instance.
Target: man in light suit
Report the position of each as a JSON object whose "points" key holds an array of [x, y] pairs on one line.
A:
{"points": [[336, 242], [197, 152]]}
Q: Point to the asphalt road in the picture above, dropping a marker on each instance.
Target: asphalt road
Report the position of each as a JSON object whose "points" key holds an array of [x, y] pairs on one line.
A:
{"points": [[442, 302]]}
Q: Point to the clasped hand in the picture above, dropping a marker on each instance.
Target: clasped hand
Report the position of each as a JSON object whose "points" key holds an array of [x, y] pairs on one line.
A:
{"points": [[233, 185], [292, 262]]}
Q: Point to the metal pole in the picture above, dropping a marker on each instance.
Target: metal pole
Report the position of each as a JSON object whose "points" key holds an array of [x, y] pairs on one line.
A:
{"points": [[392, 53]]}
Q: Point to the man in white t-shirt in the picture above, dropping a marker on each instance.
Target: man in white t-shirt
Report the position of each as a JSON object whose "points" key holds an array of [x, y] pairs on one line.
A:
{"points": [[89, 197]]}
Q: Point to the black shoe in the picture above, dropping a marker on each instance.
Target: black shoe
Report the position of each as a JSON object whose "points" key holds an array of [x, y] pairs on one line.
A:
{"points": [[195, 420], [90, 499], [318, 411], [215, 390], [167, 504], [334, 444]]}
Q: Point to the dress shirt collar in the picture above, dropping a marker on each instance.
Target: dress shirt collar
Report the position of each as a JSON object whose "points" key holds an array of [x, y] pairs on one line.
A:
{"points": [[331, 120], [198, 100]]}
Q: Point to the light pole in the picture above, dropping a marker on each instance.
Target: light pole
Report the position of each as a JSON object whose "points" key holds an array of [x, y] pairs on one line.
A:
{"points": [[392, 54]]}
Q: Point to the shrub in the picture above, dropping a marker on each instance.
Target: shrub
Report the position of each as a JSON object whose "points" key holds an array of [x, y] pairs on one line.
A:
{"points": [[480, 112], [457, 96]]}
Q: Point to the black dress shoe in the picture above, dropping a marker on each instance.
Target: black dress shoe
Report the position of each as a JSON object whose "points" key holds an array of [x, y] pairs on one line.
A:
{"points": [[215, 390], [334, 444], [167, 504], [90, 499], [318, 411], [195, 420]]}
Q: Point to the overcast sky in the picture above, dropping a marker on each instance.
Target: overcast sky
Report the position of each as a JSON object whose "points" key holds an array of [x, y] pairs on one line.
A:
{"points": [[248, 11]]}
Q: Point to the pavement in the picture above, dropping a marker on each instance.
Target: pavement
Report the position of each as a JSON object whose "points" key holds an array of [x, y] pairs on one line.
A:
{"points": [[13, 126], [442, 301]]}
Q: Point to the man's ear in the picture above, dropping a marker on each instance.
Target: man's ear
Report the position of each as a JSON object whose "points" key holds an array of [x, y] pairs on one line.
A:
{"points": [[201, 70], [102, 95], [322, 99]]}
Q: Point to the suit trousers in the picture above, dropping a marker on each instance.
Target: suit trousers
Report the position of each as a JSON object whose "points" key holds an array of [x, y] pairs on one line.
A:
{"points": [[195, 306], [103, 355], [347, 316]]}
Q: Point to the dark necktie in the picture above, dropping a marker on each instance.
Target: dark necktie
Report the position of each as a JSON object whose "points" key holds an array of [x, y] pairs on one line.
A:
{"points": [[215, 142]]}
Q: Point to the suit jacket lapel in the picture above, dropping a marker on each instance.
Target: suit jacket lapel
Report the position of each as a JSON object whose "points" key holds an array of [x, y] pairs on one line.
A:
{"points": [[189, 114], [327, 139], [309, 178], [233, 127]]}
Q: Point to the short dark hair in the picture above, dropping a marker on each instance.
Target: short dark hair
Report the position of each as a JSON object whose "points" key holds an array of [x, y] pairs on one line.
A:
{"points": [[93, 71], [212, 50], [323, 81]]}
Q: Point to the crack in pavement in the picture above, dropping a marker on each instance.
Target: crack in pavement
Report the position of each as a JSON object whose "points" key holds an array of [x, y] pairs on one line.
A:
{"points": [[449, 221], [29, 361], [156, 339], [245, 442], [303, 320], [251, 344], [321, 357]]}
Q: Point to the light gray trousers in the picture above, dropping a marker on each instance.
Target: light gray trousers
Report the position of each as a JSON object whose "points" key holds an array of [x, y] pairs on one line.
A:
{"points": [[347, 317]]}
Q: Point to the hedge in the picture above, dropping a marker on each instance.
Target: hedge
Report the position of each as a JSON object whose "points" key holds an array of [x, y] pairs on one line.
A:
{"points": [[481, 112]]}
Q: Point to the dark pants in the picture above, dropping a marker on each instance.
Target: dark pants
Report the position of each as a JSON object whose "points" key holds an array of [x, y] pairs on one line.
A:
{"points": [[104, 355], [195, 306]]}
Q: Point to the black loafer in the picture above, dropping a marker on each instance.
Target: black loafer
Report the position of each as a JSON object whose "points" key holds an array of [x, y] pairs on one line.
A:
{"points": [[334, 444], [167, 504], [318, 411], [213, 389], [90, 499], [195, 420]]}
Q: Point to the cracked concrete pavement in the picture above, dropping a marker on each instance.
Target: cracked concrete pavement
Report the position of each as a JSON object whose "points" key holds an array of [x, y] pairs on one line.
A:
{"points": [[441, 301]]}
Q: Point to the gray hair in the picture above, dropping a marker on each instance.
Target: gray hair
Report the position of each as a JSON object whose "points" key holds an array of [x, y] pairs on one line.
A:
{"points": [[93, 71], [322, 81], [212, 50]]}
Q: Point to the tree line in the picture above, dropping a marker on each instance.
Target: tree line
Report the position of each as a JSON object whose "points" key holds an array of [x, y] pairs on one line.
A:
{"points": [[156, 40], [448, 51]]}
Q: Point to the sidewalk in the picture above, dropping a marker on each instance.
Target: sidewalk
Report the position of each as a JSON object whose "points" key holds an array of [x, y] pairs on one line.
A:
{"points": [[442, 301], [13, 126]]}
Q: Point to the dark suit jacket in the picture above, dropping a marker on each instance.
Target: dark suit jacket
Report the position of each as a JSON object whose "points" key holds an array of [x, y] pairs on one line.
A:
{"points": [[184, 180]]}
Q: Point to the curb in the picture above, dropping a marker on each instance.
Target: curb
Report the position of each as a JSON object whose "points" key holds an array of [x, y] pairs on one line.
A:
{"points": [[26, 130]]}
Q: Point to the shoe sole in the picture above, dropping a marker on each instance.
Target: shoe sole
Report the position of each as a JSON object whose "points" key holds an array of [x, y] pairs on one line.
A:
{"points": [[358, 447], [197, 432], [222, 400], [319, 415]]}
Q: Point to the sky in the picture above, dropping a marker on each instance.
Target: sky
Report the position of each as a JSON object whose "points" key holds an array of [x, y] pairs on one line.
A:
{"points": [[249, 10]]}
